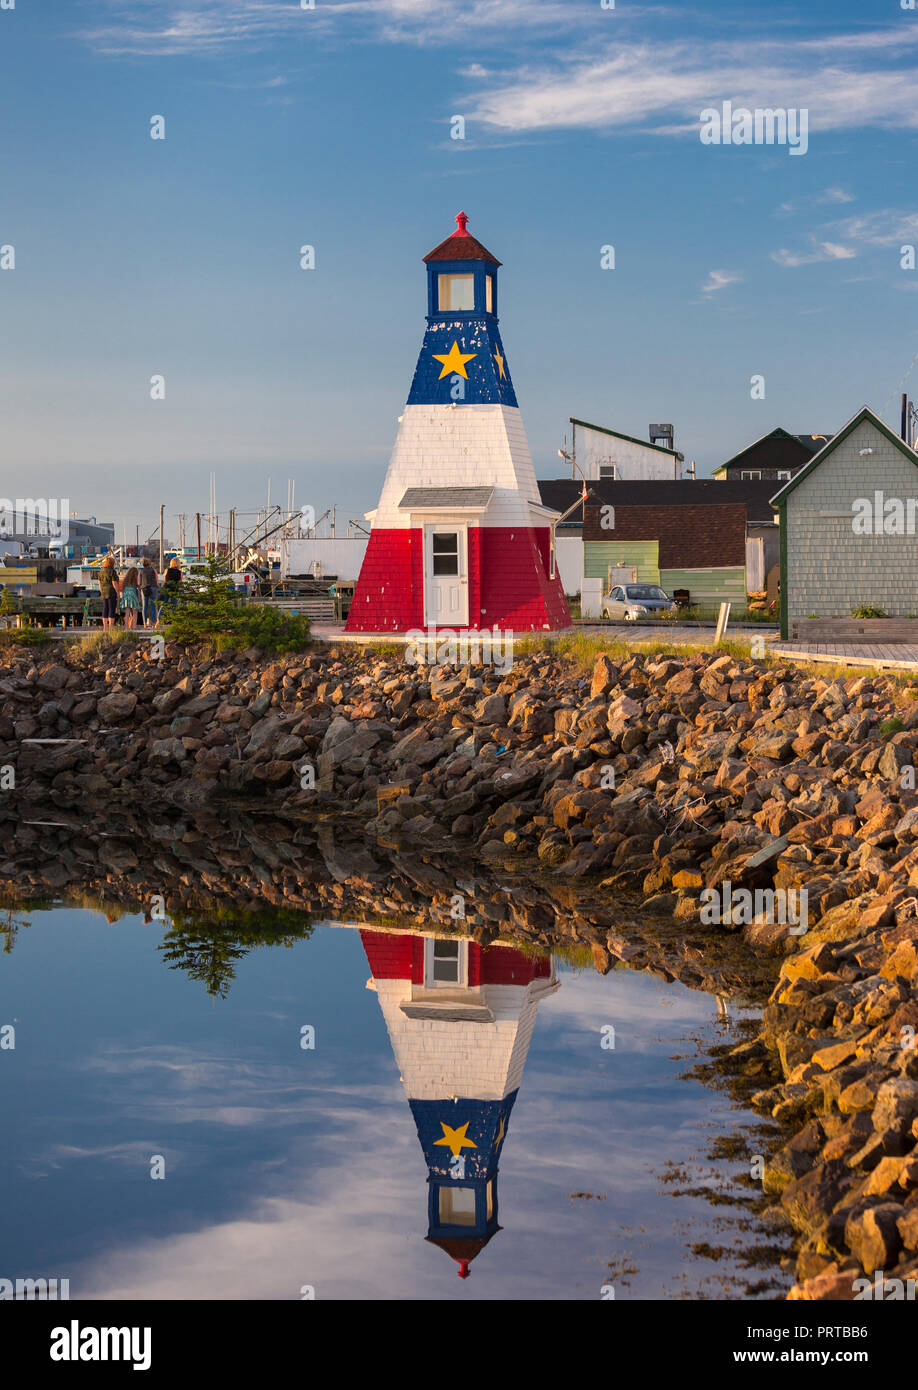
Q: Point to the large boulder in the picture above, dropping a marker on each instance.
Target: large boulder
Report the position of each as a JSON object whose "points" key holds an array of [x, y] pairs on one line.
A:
{"points": [[117, 707], [873, 1236]]}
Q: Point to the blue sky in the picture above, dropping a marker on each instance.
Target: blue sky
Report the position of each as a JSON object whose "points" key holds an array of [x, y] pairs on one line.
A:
{"points": [[331, 127]]}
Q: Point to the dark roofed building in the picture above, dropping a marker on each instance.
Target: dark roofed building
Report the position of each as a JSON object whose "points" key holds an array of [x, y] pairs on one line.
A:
{"points": [[691, 535], [776, 456], [688, 536], [561, 493]]}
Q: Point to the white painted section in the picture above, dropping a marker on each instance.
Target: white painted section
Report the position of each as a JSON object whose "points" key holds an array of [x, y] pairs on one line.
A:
{"points": [[591, 598], [569, 562], [631, 460], [755, 564], [341, 557], [438, 1058], [463, 446]]}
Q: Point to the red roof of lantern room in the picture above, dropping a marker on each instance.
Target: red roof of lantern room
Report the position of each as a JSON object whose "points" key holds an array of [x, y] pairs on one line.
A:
{"points": [[460, 245], [462, 1250]]}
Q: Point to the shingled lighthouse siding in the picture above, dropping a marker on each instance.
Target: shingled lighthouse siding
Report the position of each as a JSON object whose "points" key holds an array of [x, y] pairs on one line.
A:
{"points": [[830, 562], [460, 537]]}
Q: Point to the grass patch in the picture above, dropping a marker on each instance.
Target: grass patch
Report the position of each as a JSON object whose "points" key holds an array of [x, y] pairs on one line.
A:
{"points": [[868, 610], [25, 637], [583, 648], [105, 639]]}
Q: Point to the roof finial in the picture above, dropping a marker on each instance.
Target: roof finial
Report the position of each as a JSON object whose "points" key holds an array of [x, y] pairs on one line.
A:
{"points": [[462, 219]]}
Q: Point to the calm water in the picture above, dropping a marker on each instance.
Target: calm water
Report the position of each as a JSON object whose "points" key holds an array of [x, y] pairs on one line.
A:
{"points": [[288, 1166]]}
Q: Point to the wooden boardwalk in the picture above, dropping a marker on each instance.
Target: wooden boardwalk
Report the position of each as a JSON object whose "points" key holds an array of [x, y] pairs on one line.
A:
{"points": [[901, 656]]}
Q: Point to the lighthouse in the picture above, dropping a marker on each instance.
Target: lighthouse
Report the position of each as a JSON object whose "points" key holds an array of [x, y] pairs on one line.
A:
{"points": [[459, 539], [460, 1017]]}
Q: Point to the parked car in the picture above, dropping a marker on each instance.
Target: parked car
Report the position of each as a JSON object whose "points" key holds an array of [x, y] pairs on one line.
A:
{"points": [[634, 601]]}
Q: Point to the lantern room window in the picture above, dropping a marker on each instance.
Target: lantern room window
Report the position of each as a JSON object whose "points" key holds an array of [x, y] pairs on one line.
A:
{"points": [[456, 292], [489, 294], [457, 1206]]}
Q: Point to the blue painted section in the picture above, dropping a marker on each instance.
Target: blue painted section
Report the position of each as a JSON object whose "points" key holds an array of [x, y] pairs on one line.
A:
{"points": [[484, 1124], [488, 1122], [474, 331], [484, 384]]}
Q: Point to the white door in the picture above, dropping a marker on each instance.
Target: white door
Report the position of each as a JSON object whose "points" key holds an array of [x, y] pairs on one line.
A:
{"points": [[446, 585]]}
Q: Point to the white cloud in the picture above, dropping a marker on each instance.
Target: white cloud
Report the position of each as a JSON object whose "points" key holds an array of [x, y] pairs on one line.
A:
{"points": [[836, 195], [821, 251], [602, 77], [203, 27], [638, 83], [720, 279], [842, 241], [885, 227], [833, 252]]}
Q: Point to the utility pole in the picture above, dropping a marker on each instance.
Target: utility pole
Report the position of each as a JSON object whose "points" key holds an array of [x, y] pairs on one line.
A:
{"points": [[162, 518], [197, 517]]}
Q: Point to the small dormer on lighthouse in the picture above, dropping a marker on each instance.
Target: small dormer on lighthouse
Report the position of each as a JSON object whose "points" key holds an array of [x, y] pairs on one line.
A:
{"points": [[460, 538]]}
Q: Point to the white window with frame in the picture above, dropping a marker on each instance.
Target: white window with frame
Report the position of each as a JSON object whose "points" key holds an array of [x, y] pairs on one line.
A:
{"points": [[749, 473], [455, 292], [607, 470], [783, 474], [446, 963]]}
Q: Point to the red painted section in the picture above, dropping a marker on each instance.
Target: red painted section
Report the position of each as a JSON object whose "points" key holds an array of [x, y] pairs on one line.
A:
{"points": [[516, 591], [389, 596], [389, 957], [401, 957], [509, 587], [417, 960], [502, 965]]}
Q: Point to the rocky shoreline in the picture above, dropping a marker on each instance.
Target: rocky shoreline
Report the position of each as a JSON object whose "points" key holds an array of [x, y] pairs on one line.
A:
{"points": [[661, 776]]}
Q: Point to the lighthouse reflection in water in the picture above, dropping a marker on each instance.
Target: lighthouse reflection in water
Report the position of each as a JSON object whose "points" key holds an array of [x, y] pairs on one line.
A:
{"points": [[460, 1018]]}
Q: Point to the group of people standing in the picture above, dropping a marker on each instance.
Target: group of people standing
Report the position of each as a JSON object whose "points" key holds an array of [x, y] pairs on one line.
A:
{"points": [[136, 593]]}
